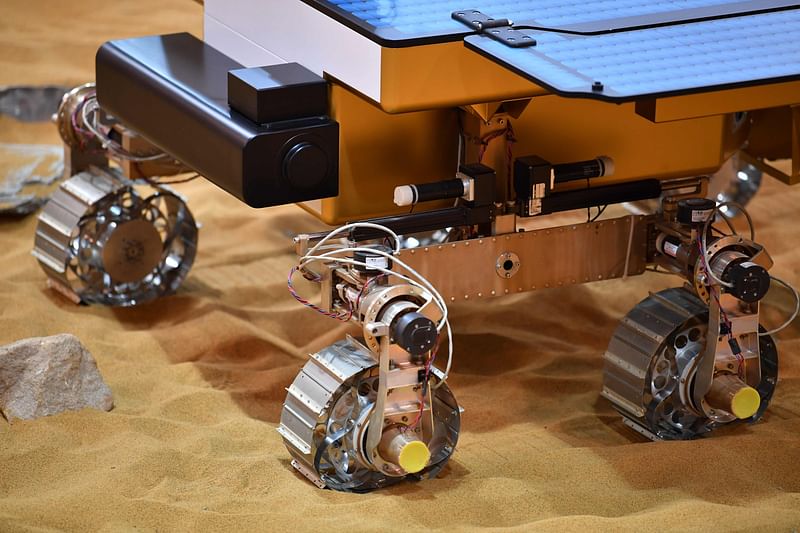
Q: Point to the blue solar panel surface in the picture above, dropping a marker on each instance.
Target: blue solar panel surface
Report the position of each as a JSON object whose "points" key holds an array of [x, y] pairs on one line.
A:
{"points": [[401, 22], [659, 61]]}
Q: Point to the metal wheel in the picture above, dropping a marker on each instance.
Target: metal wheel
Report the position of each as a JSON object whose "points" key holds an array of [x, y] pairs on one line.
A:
{"points": [[100, 240], [650, 365], [325, 421]]}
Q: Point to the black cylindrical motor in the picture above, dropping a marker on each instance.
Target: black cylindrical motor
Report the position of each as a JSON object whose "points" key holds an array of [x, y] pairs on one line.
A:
{"points": [[415, 333], [372, 263], [750, 282], [695, 211]]}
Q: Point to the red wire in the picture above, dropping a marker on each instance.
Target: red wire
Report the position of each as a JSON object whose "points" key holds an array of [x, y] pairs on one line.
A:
{"points": [[344, 317], [426, 387], [725, 318]]}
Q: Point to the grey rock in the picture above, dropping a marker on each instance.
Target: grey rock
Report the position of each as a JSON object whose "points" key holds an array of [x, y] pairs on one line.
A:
{"points": [[48, 375], [27, 173]]}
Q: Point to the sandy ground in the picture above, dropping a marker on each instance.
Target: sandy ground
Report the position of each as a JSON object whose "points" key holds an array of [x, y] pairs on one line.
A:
{"points": [[199, 378]]}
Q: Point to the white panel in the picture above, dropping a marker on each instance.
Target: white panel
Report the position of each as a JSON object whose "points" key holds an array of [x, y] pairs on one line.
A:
{"points": [[294, 31], [235, 46]]}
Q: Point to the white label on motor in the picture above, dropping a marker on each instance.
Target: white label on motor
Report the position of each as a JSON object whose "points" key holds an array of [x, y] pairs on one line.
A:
{"points": [[671, 249], [701, 216], [377, 263]]}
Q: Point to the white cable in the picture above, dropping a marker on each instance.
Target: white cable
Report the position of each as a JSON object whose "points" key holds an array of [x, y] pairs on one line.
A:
{"points": [[449, 364], [421, 282], [91, 106], [704, 233], [354, 225], [347, 261], [444, 322], [704, 253], [794, 315], [426, 284], [420, 278]]}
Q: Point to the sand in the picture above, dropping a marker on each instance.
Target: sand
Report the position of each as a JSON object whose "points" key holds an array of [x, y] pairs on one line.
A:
{"points": [[199, 378]]}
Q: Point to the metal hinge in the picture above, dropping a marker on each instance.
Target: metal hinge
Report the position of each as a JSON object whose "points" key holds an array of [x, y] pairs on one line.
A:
{"points": [[501, 30]]}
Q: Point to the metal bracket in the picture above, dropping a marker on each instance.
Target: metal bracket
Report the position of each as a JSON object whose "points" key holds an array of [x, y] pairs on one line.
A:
{"points": [[376, 418], [501, 30], [378, 329]]}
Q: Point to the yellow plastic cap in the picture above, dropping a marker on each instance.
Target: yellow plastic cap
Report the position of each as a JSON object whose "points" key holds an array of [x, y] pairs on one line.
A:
{"points": [[414, 456], [745, 403]]}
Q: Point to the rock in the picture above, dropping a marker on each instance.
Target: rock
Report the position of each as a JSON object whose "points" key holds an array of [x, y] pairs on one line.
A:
{"points": [[49, 375]]}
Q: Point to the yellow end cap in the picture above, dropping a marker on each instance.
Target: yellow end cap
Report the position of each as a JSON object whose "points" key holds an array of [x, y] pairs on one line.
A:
{"points": [[414, 456], [745, 403]]}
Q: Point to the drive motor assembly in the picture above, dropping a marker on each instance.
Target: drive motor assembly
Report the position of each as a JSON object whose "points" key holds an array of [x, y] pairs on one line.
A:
{"points": [[685, 361], [364, 414]]}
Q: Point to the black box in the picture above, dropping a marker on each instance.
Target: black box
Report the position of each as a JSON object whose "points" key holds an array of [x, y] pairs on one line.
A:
{"points": [[484, 179], [277, 93], [171, 89], [532, 176]]}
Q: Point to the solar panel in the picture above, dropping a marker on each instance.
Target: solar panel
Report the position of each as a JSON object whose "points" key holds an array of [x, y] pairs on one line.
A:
{"points": [[412, 22], [660, 61]]}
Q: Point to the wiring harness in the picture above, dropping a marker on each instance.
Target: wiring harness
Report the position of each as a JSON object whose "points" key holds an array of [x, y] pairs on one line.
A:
{"points": [[322, 251]]}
